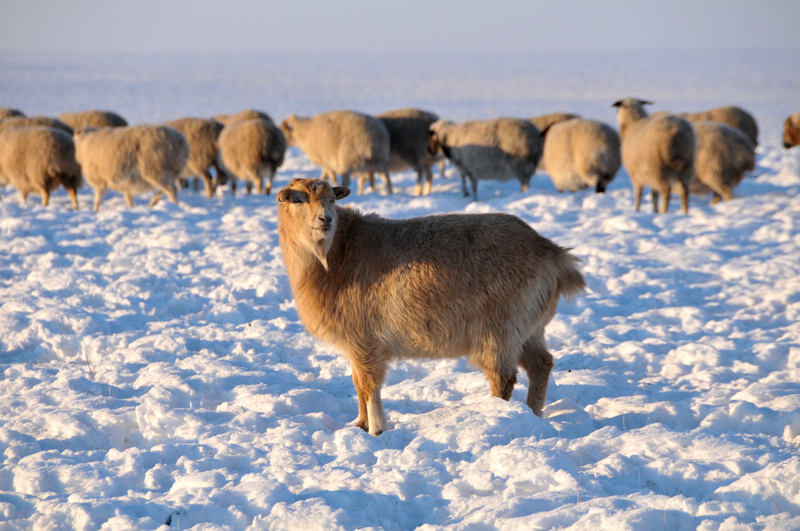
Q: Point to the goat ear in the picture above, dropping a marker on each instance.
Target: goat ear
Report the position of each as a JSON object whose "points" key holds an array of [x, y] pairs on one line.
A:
{"points": [[341, 192], [288, 195]]}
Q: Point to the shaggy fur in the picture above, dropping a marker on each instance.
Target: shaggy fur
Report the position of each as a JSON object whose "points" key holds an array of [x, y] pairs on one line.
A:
{"points": [[343, 143], [502, 149], [483, 286], [241, 116], [202, 135], [37, 160], [252, 150], [79, 120], [658, 152], [409, 146], [132, 160], [32, 121], [724, 155], [581, 153]]}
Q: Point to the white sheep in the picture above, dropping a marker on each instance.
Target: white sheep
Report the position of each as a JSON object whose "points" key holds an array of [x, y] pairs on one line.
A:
{"points": [[730, 115], [131, 160], [501, 149], [581, 153], [724, 155], [343, 143], [481, 285], [791, 131], [409, 144], [202, 135], [546, 120], [241, 116], [92, 118], [252, 150], [38, 160], [8, 112], [32, 121], [658, 152]]}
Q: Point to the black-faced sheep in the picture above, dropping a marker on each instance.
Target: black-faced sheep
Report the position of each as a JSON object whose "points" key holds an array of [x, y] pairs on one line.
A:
{"points": [[92, 118], [132, 160], [252, 150], [581, 153], [658, 152], [37, 160], [482, 285], [343, 143], [502, 149], [202, 135]]}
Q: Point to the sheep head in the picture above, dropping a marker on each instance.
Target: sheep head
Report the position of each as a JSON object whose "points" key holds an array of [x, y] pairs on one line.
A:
{"points": [[629, 110], [307, 214]]}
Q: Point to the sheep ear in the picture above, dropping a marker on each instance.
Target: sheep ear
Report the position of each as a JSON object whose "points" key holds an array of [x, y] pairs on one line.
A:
{"points": [[341, 192], [288, 195], [645, 102]]}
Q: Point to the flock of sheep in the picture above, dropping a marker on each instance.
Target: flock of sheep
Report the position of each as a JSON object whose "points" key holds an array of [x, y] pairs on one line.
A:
{"points": [[701, 153]]}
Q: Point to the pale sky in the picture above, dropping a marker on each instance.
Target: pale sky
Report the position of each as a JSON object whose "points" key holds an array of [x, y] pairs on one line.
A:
{"points": [[414, 26]]}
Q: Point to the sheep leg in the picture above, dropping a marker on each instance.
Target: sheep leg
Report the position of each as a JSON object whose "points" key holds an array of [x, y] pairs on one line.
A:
{"points": [[474, 182], [684, 197], [368, 378], [248, 185], [524, 185], [386, 179], [345, 179], [156, 198], [637, 196], [209, 183], [270, 176], [428, 181], [73, 196], [233, 186], [362, 182], [98, 197], [501, 377], [129, 199], [666, 193], [45, 197], [538, 363]]}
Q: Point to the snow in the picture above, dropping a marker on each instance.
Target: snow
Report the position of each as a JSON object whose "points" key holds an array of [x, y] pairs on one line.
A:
{"points": [[154, 372]]}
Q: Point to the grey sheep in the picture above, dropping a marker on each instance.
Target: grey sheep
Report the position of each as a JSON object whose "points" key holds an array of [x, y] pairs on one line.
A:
{"points": [[202, 134], [581, 153], [92, 118], [343, 143], [483, 286], [409, 145], [791, 131], [658, 152], [241, 116], [724, 155], [131, 160], [38, 160], [501, 149], [31, 121], [252, 150], [8, 112]]}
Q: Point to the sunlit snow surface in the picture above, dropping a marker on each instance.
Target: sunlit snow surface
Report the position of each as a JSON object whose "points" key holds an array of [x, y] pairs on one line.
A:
{"points": [[153, 369]]}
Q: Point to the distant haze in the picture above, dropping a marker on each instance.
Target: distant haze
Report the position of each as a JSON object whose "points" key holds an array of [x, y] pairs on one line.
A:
{"points": [[259, 27]]}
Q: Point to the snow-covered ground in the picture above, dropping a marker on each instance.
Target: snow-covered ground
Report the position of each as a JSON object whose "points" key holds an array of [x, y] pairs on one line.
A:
{"points": [[153, 369]]}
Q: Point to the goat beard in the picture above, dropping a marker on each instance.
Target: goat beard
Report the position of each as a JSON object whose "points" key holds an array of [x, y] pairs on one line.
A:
{"points": [[320, 249]]}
